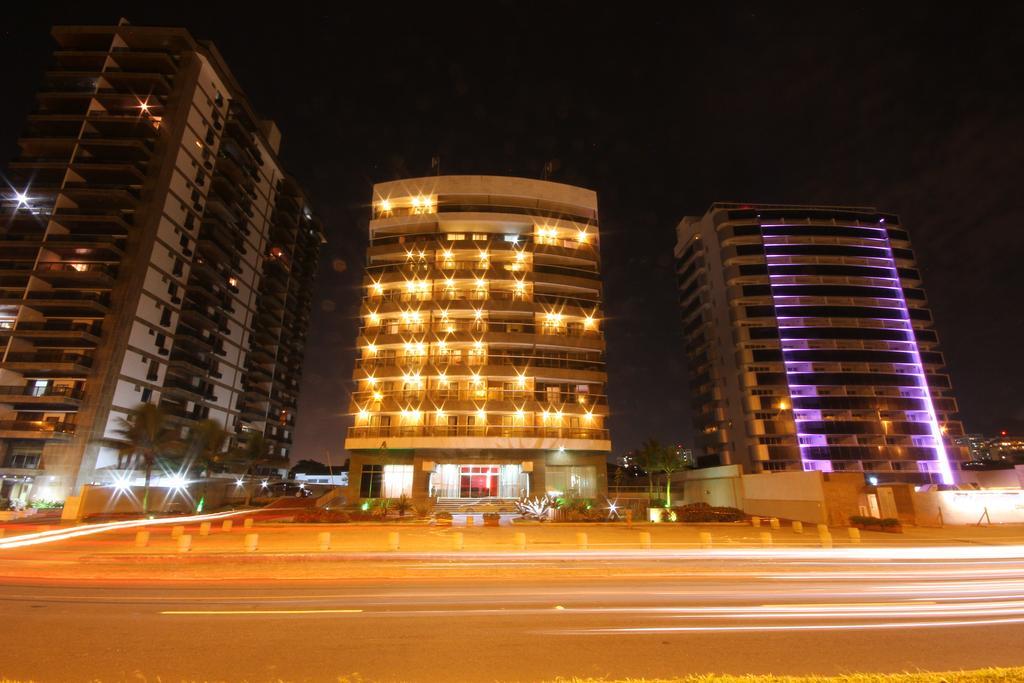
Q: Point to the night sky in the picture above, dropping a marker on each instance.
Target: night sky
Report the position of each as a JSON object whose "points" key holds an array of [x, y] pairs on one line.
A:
{"points": [[905, 106]]}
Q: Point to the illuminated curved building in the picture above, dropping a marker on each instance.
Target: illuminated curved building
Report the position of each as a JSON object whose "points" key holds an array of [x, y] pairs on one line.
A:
{"points": [[480, 370], [811, 346]]}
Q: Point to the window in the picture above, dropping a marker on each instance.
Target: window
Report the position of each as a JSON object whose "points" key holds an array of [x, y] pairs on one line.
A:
{"points": [[371, 481], [397, 481]]}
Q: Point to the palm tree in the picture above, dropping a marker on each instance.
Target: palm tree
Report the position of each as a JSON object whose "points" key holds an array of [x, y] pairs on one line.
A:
{"points": [[205, 448], [649, 458], [144, 436], [671, 461]]}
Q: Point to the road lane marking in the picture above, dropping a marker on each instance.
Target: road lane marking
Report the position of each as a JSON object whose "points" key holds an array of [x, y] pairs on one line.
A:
{"points": [[214, 612]]}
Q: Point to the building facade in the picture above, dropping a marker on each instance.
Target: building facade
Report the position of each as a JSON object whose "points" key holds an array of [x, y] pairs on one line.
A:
{"points": [[811, 345], [480, 363], [152, 249]]}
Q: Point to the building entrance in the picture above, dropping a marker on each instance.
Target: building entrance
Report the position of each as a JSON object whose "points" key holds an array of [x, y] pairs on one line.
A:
{"points": [[479, 481]]}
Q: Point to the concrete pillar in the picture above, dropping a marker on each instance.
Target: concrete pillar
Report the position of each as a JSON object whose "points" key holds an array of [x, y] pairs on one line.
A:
{"points": [[774, 523], [798, 527], [581, 540], [766, 539], [393, 540], [252, 543], [141, 539], [645, 540], [854, 534], [177, 531], [323, 540], [705, 539], [247, 524], [755, 521], [228, 525], [458, 541], [184, 543], [520, 540], [204, 529], [469, 520]]}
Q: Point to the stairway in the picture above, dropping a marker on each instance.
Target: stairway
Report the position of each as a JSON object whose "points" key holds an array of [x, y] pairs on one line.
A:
{"points": [[457, 505]]}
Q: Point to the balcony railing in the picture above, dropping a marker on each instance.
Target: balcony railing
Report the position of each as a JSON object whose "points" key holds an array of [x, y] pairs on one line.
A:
{"points": [[37, 426], [30, 390], [379, 432], [75, 358]]}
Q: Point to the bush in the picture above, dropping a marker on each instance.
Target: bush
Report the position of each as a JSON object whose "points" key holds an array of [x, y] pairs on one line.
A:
{"points": [[47, 504], [322, 517], [423, 509], [866, 521], [403, 505], [889, 521], [581, 505], [702, 512], [657, 503], [443, 515]]}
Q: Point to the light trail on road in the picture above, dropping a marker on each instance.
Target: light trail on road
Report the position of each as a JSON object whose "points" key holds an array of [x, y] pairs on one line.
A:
{"points": [[55, 535]]}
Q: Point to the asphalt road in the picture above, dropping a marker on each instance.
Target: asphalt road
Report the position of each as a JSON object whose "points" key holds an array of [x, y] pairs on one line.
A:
{"points": [[798, 617]]}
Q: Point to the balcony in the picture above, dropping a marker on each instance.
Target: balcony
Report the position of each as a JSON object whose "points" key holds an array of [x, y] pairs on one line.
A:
{"points": [[505, 438], [35, 429], [48, 362], [67, 274], [76, 303], [30, 397]]}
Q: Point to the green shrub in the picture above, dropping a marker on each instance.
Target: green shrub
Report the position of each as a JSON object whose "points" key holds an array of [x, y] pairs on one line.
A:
{"points": [[889, 521], [443, 515], [702, 512], [657, 503], [403, 505], [47, 504], [492, 515]]}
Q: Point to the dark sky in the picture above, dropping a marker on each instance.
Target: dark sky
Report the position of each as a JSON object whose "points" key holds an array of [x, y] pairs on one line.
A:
{"points": [[910, 107]]}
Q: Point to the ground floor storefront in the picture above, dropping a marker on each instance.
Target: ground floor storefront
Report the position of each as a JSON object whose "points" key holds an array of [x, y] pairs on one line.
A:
{"points": [[474, 475]]}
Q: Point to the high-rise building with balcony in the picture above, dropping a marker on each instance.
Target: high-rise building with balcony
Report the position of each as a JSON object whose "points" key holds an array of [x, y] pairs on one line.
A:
{"points": [[811, 346], [152, 249], [480, 370]]}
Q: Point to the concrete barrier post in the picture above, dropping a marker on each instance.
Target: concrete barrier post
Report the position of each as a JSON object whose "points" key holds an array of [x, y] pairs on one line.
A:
{"points": [[2, 531], [470, 521], [645, 540], [323, 540], [393, 540], [228, 525], [204, 529], [520, 540], [177, 531], [766, 539], [142, 539], [854, 534], [755, 521], [823, 529], [581, 540], [826, 540], [252, 543], [705, 539], [184, 543], [247, 524], [458, 541], [798, 527], [774, 522]]}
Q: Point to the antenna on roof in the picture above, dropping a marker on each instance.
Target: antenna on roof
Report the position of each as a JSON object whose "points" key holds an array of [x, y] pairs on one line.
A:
{"points": [[435, 164], [549, 168]]}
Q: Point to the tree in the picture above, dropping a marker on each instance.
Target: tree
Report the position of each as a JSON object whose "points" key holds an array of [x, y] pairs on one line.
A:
{"points": [[650, 457], [672, 460], [205, 448], [144, 436]]}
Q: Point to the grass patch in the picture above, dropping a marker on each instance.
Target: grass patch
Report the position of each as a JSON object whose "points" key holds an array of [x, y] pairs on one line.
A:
{"points": [[998, 675]]}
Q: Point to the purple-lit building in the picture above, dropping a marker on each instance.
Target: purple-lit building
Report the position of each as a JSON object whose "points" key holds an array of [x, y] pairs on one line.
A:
{"points": [[811, 345]]}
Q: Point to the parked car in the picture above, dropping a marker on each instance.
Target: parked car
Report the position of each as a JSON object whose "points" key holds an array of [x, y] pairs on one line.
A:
{"points": [[280, 489]]}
